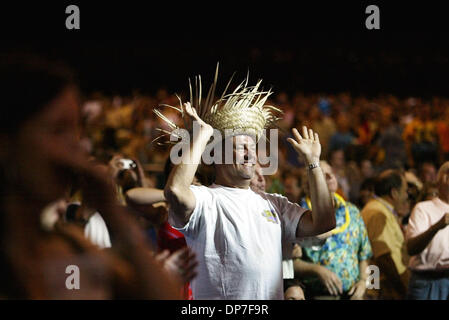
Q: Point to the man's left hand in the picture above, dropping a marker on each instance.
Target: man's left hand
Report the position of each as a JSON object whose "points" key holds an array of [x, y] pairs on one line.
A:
{"points": [[308, 145]]}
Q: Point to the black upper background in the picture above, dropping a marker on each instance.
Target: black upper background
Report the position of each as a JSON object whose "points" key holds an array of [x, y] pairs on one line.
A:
{"points": [[319, 47]]}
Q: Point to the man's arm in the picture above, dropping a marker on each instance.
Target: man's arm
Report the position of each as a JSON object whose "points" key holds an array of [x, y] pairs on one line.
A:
{"points": [[322, 218], [363, 266], [417, 244], [388, 267], [177, 190], [144, 196], [357, 291]]}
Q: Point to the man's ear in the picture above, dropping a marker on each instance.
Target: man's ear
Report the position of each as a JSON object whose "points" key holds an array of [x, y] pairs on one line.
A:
{"points": [[394, 193]]}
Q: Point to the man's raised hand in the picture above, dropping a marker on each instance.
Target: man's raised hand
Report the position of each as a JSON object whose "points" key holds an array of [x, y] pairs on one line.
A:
{"points": [[308, 145], [204, 127]]}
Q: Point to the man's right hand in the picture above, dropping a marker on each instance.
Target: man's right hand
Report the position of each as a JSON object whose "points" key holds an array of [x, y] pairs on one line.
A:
{"points": [[330, 280], [205, 129]]}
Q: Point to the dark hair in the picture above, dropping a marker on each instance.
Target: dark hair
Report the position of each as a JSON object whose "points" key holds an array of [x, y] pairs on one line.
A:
{"points": [[368, 184], [29, 83], [387, 181], [292, 283]]}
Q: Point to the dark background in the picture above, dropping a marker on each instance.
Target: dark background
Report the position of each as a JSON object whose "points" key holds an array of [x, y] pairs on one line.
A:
{"points": [[320, 47]]}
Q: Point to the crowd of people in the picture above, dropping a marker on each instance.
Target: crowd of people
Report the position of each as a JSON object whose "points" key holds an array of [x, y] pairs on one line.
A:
{"points": [[87, 189], [360, 136]]}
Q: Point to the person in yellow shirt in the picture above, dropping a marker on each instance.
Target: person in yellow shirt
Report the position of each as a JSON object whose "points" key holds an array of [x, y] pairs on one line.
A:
{"points": [[384, 232]]}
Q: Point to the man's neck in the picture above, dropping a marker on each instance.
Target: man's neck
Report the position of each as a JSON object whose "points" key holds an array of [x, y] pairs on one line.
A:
{"points": [[234, 184], [388, 200]]}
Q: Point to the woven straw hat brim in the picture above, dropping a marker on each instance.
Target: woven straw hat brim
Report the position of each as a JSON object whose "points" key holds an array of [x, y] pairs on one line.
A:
{"points": [[246, 121], [241, 112]]}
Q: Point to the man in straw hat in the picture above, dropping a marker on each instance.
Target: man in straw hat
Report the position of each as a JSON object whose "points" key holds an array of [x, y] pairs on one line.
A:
{"points": [[238, 233]]}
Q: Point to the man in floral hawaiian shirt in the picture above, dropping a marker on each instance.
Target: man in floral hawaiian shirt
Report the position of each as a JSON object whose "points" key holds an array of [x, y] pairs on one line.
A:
{"points": [[336, 269]]}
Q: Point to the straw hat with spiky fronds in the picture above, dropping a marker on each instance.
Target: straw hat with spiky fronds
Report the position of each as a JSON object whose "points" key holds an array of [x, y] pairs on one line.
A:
{"points": [[242, 111]]}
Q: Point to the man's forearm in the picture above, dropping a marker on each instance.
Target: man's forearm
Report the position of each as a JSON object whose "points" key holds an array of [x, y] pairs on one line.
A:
{"points": [[144, 196], [417, 244], [323, 215], [177, 190], [304, 269], [182, 174], [363, 266]]}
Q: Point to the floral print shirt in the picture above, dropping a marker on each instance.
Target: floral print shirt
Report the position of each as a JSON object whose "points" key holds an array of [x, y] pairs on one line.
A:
{"points": [[342, 252]]}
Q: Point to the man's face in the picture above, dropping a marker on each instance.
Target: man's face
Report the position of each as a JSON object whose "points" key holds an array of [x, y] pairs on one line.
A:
{"points": [[338, 159], [292, 190], [366, 168], [429, 173], [331, 180], [244, 158]]}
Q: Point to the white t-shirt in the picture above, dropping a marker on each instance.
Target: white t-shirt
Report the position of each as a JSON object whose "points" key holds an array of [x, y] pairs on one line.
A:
{"points": [[97, 232], [237, 235], [436, 254]]}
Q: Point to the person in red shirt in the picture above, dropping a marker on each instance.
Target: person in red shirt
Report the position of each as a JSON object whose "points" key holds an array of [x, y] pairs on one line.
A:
{"points": [[170, 243]]}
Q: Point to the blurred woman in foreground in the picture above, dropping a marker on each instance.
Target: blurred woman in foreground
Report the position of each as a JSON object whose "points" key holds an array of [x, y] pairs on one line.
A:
{"points": [[40, 156]]}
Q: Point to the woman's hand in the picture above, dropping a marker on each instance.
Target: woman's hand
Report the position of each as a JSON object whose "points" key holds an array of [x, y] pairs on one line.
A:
{"points": [[180, 264]]}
